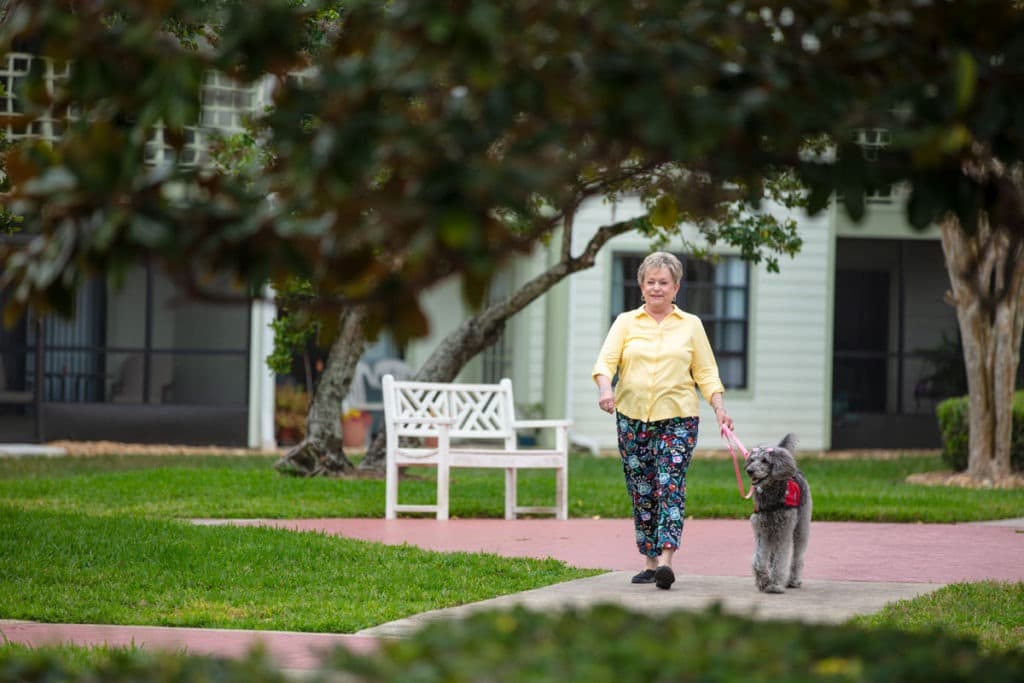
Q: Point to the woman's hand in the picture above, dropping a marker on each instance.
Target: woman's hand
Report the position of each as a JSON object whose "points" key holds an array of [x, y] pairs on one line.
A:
{"points": [[720, 413], [723, 418], [605, 394]]}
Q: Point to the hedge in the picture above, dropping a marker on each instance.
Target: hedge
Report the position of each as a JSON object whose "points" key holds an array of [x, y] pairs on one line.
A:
{"points": [[606, 644], [954, 426]]}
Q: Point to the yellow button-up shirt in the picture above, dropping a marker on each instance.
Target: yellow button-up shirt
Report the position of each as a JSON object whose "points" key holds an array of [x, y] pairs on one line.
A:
{"points": [[660, 366]]}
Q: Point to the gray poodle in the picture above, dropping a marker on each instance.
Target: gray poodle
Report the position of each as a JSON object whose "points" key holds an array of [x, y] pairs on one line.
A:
{"points": [[782, 515]]}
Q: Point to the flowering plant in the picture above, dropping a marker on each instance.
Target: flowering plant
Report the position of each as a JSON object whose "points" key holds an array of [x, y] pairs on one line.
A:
{"points": [[352, 414]]}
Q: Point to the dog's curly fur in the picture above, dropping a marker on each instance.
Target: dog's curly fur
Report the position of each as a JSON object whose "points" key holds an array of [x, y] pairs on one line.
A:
{"points": [[780, 532]]}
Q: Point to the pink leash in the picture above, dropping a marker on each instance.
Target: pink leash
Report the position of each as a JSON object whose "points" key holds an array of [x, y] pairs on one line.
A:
{"points": [[730, 439]]}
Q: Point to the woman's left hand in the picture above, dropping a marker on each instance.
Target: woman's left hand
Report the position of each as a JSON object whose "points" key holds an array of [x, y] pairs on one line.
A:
{"points": [[723, 418]]}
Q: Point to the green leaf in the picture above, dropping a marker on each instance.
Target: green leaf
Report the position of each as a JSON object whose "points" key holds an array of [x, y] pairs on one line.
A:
{"points": [[966, 80], [665, 213], [853, 199]]}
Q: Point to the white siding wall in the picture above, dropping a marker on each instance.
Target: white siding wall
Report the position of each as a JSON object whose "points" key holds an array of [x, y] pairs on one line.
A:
{"points": [[790, 340], [525, 334], [791, 346]]}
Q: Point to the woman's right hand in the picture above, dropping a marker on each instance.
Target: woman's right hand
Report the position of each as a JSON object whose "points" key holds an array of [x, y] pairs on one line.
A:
{"points": [[605, 393]]}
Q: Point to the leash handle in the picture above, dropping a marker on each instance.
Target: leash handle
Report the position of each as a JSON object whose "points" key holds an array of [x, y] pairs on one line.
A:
{"points": [[730, 438]]}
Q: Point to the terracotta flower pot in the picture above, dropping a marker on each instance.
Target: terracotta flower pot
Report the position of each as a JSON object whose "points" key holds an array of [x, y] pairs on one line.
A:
{"points": [[355, 431], [288, 436]]}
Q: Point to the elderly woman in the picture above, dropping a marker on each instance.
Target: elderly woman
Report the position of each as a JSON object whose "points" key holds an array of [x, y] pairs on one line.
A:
{"points": [[662, 356]]}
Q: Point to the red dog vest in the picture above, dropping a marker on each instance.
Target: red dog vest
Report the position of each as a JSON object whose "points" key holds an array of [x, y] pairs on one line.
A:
{"points": [[792, 494]]}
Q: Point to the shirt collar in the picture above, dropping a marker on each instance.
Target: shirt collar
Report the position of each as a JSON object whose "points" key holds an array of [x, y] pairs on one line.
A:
{"points": [[640, 312]]}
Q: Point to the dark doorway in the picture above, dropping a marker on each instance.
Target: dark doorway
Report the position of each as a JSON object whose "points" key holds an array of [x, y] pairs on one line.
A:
{"points": [[892, 333], [861, 334]]}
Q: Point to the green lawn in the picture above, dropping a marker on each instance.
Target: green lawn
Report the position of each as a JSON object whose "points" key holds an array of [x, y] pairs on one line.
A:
{"points": [[104, 540], [247, 486], [117, 569]]}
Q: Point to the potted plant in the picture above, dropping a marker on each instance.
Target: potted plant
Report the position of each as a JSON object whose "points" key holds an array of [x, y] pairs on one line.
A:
{"points": [[291, 405], [355, 428]]}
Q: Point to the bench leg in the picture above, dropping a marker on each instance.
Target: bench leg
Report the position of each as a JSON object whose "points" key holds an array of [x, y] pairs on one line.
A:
{"points": [[442, 489], [391, 490], [510, 493]]}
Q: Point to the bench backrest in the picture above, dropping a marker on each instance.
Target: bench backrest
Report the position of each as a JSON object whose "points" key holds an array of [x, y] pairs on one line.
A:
{"points": [[479, 411]]}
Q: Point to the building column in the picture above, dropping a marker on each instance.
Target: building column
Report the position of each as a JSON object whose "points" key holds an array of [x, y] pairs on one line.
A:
{"points": [[262, 382]]}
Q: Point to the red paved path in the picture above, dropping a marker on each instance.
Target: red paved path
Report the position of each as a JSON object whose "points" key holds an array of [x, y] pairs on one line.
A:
{"points": [[838, 551], [288, 650]]}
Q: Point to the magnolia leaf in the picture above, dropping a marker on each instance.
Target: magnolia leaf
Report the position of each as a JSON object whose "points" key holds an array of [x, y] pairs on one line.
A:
{"points": [[665, 213], [966, 80]]}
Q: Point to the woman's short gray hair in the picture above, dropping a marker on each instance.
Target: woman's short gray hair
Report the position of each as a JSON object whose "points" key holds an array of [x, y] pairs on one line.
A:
{"points": [[661, 259]]}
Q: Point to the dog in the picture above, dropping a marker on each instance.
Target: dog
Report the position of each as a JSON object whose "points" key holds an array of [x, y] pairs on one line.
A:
{"points": [[782, 515]]}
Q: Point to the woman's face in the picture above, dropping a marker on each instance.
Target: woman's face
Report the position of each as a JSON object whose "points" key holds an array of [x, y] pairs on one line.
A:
{"points": [[659, 289]]}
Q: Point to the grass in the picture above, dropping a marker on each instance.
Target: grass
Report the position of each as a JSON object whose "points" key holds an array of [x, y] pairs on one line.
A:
{"points": [[99, 540], [247, 486], [75, 568], [989, 612]]}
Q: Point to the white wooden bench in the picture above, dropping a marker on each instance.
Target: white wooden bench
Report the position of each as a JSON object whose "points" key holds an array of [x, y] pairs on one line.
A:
{"points": [[475, 426]]}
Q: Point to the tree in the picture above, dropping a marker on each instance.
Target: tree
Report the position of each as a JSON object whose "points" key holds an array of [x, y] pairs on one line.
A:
{"points": [[986, 269], [433, 137]]}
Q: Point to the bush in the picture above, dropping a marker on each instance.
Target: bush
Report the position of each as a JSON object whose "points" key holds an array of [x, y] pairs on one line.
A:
{"points": [[614, 645], [611, 645], [131, 665], [954, 426]]}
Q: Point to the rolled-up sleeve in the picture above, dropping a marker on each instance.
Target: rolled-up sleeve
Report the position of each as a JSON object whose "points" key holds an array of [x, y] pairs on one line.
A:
{"points": [[704, 368], [611, 351]]}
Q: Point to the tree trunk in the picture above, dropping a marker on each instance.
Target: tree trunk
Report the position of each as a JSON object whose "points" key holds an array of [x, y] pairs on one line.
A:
{"points": [[480, 331], [986, 271], [321, 453]]}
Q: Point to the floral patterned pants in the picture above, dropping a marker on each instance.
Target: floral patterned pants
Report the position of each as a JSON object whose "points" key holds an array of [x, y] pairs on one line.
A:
{"points": [[655, 457]]}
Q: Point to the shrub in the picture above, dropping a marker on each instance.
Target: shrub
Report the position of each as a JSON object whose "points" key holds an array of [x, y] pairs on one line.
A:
{"points": [[609, 644], [132, 665], [615, 645], [954, 426]]}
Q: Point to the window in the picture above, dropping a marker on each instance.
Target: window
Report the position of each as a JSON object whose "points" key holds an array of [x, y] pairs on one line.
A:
{"points": [[715, 292], [497, 358], [225, 106], [14, 71], [144, 343]]}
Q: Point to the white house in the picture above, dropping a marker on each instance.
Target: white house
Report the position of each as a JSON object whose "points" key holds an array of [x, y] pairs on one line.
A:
{"points": [[830, 348]]}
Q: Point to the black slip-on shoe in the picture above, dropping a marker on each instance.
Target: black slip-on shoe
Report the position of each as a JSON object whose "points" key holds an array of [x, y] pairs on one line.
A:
{"points": [[646, 576], [664, 577]]}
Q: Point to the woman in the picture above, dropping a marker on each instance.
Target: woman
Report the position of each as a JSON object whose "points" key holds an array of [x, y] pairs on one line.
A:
{"points": [[662, 356]]}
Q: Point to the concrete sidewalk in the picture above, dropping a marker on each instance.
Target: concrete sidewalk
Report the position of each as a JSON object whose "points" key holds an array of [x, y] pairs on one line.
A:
{"points": [[852, 568]]}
